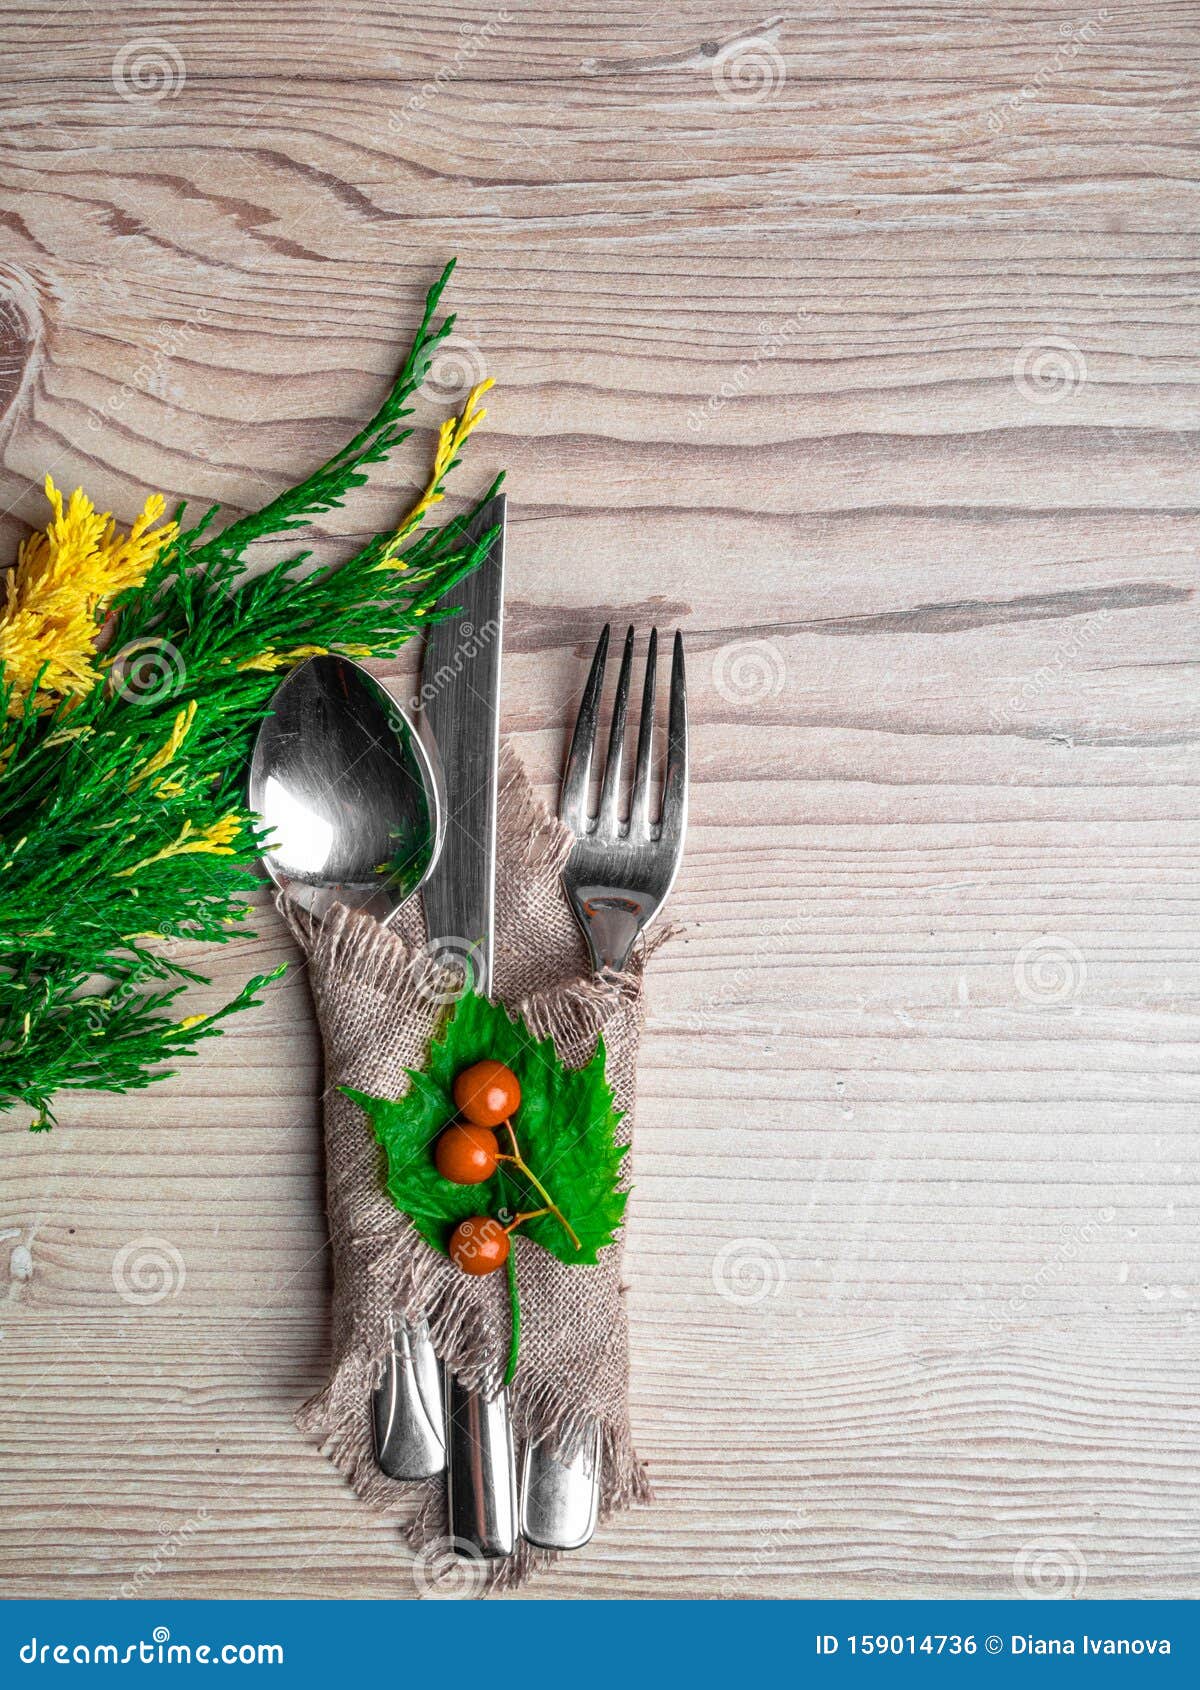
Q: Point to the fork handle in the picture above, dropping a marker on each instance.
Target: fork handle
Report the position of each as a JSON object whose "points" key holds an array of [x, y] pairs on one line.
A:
{"points": [[560, 1487], [560, 1491]]}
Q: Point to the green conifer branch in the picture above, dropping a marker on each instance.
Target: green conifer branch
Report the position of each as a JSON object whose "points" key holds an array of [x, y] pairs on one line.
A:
{"points": [[99, 883]]}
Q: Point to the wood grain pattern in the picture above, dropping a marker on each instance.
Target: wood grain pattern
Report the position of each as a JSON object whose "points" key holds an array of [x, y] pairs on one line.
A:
{"points": [[862, 345]]}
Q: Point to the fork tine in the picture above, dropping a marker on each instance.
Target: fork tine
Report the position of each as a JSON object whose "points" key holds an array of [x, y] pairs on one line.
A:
{"points": [[573, 801], [675, 785], [639, 806], [610, 797]]}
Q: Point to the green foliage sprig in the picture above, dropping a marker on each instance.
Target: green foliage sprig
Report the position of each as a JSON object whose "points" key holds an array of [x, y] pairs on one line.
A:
{"points": [[124, 831]]}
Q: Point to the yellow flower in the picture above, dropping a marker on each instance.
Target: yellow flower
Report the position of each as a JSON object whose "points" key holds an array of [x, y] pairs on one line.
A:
{"points": [[57, 592], [452, 435], [215, 840]]}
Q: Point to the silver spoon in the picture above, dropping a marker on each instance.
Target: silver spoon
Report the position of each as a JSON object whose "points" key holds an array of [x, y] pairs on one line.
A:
{"points": [[352, 804]]}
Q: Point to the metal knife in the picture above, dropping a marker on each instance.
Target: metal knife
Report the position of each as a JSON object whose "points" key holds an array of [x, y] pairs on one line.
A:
{"points": [[461, 689]]}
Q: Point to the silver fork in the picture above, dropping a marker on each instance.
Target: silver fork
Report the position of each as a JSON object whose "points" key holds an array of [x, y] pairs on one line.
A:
{"points": [[616, 879]]}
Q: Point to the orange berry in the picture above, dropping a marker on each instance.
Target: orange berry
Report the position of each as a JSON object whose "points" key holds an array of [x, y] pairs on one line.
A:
{"points": [[466, 1154], [487, 1093], [479, 1245]]}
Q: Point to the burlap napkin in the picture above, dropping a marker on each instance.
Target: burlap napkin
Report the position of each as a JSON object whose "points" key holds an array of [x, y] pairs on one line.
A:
{"points": [[378, 995]]}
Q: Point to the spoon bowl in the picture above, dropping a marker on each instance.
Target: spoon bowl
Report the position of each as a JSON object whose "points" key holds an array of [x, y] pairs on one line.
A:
{"points": [[347, 791]]}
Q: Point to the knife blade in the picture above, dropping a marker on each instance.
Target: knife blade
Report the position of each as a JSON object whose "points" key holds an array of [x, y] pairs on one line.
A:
{"points": [[460, 687], [460, 684]]}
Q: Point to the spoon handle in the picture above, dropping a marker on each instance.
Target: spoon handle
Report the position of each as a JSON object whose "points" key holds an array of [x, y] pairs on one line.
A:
{"points": [[410, 1430]]}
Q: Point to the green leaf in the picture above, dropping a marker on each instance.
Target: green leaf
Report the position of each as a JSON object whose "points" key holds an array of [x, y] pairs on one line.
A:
{"points": [[565, 1127]]}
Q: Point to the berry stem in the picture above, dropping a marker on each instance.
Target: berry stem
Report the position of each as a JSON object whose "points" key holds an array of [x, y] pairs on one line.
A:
{"points": [[531, 1216], [552, 1207], [514, 1304]]}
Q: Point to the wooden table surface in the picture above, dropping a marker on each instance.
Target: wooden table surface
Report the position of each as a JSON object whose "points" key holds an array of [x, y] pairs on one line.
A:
{"points": [[860, 344]]}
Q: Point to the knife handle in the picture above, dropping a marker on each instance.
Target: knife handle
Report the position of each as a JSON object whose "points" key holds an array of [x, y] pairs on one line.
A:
{"points": [[560, 1491], [481, 1488], [410, 1432]]}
